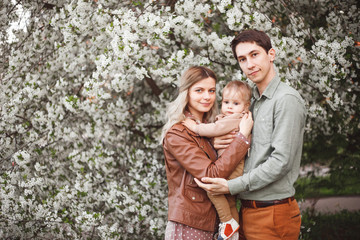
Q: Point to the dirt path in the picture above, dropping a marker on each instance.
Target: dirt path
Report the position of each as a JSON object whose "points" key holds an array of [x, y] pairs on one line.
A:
{"points": [[332, 204]]}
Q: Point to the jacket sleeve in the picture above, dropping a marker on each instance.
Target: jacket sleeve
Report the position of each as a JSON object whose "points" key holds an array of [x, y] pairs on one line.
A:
{"points": [[197, 162]]}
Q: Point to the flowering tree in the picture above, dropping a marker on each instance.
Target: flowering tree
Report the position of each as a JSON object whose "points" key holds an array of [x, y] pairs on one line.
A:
{"points": [[85, 86]]}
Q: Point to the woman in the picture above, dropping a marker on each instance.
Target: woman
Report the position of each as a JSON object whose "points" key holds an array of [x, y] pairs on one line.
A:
{"points": [[189, 156]]}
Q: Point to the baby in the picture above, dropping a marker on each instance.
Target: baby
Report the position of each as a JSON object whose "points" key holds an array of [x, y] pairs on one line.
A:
{"points": [[236, 97]]}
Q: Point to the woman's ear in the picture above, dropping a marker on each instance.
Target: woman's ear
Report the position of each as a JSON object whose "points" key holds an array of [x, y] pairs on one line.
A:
{"points": [[272, 54]]}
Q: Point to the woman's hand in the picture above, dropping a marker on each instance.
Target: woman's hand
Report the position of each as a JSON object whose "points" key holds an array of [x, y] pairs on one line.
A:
{"points": [[214, 186], [224, 141], [246, 124]]}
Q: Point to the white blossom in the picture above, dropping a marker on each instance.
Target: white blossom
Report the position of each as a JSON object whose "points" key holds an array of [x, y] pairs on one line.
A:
{"points": [[83, 97]]}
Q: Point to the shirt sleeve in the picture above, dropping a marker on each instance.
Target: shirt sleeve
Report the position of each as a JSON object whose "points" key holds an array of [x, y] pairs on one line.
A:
{"points": [[196, 161], [289, 122]]}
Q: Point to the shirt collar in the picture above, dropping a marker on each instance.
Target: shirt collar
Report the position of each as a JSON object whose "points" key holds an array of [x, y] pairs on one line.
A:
{"points": [[269, 90]]}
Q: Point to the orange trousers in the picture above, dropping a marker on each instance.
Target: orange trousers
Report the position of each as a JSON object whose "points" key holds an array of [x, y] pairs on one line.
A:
{"points": [[275, 222]]}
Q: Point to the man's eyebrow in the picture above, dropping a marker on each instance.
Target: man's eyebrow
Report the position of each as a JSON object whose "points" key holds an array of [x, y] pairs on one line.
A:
{"points": [[249, 53]]}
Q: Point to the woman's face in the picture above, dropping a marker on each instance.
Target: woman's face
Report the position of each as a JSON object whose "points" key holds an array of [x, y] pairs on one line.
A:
{"points": [[201, 97]]}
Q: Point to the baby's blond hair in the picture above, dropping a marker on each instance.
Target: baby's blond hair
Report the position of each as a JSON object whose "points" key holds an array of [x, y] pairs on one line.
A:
{"points": [[238, 87]]}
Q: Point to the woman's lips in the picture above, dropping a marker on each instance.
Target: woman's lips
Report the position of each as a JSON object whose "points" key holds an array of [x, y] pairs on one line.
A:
{"points": [[206, 104]]}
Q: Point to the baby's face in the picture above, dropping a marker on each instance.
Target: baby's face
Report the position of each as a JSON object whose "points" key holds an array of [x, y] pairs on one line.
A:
{"points": [[233, 103]]}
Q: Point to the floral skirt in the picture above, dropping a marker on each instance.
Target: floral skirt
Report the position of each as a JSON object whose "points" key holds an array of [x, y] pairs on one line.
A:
{"points": [[178, 231]]}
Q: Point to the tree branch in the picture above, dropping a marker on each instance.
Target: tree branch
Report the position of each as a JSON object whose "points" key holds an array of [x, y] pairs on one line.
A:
{"points": [[12, 9], [155, 89]]}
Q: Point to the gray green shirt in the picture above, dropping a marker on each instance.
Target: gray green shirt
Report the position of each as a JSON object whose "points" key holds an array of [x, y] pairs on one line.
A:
{"points": [[277, 138]]}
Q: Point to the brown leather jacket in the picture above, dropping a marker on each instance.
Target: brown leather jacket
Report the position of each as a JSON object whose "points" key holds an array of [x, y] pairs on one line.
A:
{"points": [[188, 155]]}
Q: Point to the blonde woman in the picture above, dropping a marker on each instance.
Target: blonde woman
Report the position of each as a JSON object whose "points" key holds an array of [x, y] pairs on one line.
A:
{"points": [[236, 100], [188, 155]]}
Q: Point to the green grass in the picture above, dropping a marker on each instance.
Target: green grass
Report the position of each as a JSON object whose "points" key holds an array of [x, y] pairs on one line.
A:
{"points": [[312, 187]]}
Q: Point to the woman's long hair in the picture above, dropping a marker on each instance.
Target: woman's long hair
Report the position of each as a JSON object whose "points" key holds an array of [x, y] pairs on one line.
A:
{"points": [[177, 108]]}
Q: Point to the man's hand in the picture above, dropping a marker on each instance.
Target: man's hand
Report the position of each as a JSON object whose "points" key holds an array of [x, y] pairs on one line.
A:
{"points": [[214, 186], [223, 141]]}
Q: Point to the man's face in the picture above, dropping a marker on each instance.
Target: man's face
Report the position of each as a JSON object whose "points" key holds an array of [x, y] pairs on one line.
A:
{"points": [[255, 62]]}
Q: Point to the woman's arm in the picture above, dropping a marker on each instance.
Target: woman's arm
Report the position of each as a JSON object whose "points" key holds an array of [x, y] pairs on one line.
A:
{"points": [[195, 156], [185, 151]]}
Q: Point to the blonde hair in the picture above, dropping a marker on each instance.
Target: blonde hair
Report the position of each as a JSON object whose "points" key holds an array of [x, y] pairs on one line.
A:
{"points": [[238, 88], [177, 108]]}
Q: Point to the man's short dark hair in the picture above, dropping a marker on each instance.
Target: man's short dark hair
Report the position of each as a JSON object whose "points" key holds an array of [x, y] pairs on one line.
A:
{"points": [[254, 36]]}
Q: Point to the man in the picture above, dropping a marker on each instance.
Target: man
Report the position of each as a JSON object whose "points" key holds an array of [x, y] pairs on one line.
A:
{"points": [[269, 210]]}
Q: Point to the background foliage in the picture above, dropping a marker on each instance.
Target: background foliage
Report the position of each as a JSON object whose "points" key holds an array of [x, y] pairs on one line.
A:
{"points": [[343, 225], [84, 87]]}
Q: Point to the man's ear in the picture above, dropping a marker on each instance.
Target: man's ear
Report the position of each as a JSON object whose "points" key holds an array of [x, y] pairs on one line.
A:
{"points": [[272, 54]]}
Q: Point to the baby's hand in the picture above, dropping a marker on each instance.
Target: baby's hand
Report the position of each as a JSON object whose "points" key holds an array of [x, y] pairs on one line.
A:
{"points": [[190, 124], [246, 124]]}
